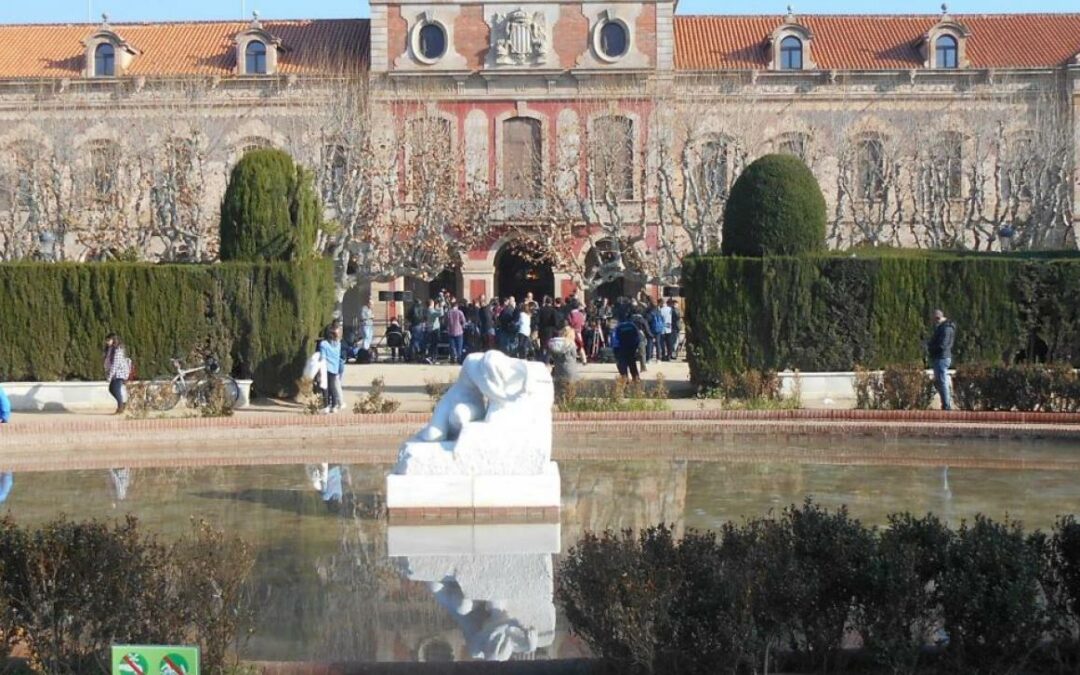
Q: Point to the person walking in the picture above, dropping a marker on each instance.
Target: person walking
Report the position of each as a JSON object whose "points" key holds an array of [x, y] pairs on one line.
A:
{"points": [[939, 349], [667, 349], [487, 322], [625, 342], [676, 329], [524, 332], [434, 317], [117, 370], [330, 348], [455, 329]]}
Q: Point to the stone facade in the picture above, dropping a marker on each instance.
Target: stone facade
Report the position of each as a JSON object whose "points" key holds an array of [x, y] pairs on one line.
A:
{"points": [[908, 149]]}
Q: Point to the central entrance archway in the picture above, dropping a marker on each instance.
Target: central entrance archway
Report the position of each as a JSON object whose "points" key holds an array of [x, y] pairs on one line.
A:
{"points": [[516, 275]]}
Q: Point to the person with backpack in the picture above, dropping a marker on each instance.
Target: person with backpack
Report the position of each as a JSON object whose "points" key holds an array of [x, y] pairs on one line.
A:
{"points": [[939, 348], [625, 341], [654, 332], [117, 370]]}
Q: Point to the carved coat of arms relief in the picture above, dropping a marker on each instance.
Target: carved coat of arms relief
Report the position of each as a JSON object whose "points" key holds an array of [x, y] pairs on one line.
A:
{"points": [[518, 39]]}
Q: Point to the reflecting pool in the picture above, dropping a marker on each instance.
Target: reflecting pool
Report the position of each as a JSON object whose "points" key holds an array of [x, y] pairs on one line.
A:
{"points": [[336, 582]]}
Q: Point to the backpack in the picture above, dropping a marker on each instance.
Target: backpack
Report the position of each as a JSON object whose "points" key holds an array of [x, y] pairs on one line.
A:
{"points": [[627, 336], [133, 370], [656, 322]]}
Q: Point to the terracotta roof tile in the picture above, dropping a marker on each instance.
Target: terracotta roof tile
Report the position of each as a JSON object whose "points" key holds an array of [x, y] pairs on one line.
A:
{"points": [[871, 42], [188, 48]]}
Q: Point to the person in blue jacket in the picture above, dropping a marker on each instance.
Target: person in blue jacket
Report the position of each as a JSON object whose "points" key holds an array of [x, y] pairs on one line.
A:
{"points": [[5, 407], [331, 352]]}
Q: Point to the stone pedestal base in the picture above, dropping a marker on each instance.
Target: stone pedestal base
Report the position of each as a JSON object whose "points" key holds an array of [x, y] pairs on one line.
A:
{"points": [[480, 493]]}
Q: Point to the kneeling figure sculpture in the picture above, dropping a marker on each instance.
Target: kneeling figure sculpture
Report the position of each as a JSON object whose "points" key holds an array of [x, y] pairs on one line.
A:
{"points": [[488, 444]]}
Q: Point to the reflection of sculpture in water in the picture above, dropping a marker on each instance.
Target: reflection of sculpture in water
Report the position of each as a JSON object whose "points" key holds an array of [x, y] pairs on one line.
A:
{"points": [[496, 581], [120, 480], [7, 481], [490, 632]]}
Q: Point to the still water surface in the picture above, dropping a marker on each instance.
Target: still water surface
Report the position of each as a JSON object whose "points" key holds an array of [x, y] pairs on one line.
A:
{"points": [[332, 588]]}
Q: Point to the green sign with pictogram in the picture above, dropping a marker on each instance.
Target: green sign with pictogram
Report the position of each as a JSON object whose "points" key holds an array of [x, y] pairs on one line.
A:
{"points": [[154, 660]]}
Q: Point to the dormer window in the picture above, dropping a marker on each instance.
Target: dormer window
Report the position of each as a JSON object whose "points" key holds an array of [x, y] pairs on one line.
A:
{"points": [[107, 54], [947, 52], [790, 45], [255, 58], [944, 47], [257, 50], [791, 53], [105, 60]]}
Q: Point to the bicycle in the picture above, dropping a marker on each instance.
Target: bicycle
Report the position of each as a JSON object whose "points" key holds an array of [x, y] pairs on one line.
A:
{"points": [[195, 384]]}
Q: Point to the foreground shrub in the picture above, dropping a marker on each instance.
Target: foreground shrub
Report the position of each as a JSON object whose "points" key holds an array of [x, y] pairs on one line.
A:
{"points": [[781, 593], [72, 589], [1022, 388], [775, 208], [656, 604], [990, 597], [900, 612], [895, 388], [258, 319], [813, 568]]}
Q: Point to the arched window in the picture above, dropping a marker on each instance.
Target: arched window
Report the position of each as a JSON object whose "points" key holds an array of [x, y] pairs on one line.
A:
{"points": [[870, 169], [714, 169], [104, 169], [105, 60], [795, 143], [612, 154], [256, 58], [521, 157], [429, 156], [947, 52], [335, 166], [791, 57], [948, 160], [20, 179]]}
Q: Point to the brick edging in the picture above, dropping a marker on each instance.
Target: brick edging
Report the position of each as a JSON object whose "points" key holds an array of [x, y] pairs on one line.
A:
{"points": [[283, 420]]}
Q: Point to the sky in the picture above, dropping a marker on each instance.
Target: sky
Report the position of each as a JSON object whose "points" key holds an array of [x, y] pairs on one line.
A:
{"points": [[63, 11]]}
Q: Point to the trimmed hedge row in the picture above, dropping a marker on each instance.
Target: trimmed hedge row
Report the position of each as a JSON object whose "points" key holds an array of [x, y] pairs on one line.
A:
{"points": [[259, 319], [792, 592], [836, 312]]}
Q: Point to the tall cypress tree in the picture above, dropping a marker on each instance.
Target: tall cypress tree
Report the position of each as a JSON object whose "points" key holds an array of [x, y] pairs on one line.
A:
{"points": [[270, 210]]}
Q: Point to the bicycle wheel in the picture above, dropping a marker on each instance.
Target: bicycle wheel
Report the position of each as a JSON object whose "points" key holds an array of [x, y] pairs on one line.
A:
{"points": [[231, 389], [163, 394]]}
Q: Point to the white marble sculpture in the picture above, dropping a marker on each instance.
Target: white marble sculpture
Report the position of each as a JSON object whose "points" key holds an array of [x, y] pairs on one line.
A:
{"points": [[488, 443]]}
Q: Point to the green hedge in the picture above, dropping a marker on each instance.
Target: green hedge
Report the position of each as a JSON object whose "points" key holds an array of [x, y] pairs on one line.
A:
{"points": [[835, 312], [259, 319]]}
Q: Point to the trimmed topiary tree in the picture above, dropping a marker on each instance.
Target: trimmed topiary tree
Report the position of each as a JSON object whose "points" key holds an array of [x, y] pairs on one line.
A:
{"points": [[270, 210], [775, 208]]}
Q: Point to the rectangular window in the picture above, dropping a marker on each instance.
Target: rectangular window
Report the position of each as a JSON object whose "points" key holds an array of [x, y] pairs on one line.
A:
{"points": [[612, 156], [521, 157]]}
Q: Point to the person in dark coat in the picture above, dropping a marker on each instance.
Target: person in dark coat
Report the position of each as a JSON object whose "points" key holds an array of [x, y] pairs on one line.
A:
{"points": [[547, 321], [939, 348]]}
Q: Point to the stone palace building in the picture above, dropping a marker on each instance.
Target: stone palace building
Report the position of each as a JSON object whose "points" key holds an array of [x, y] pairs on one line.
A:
{"points": [[923, 130]]}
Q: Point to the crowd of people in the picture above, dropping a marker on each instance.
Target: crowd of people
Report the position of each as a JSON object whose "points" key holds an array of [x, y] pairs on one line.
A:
{"points": [[445, 328]]}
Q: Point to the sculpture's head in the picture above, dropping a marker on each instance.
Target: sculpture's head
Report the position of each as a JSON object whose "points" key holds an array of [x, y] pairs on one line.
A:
{"points": [[500, 377]]}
